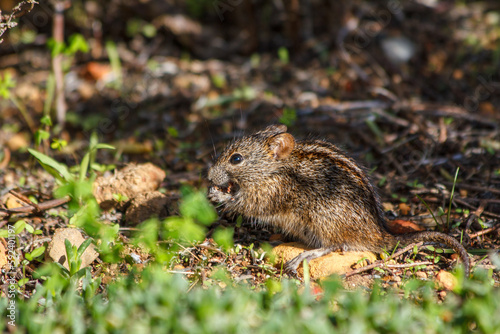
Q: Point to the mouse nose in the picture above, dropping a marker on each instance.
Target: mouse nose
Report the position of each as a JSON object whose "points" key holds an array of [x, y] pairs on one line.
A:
{"points": [[218, 175]]}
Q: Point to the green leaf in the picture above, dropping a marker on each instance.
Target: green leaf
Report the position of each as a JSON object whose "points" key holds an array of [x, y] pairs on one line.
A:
{"points": [[22, 281], [224, 237], [41, 135], [4, 233], [37, 252], [56, 169], [149, 30], [451, 196], [283, 55], [195, 205], [77, 43], [46, 120], [6, 83], [70, 250], [173, 131], [289, 116], [184, 228], [55, 47], [84, 165], [104, 146], [19, 226], [83, 247], [58, 144], [29, 228]]}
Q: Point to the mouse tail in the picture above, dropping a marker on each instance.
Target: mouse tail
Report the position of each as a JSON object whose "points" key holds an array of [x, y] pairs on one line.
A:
{"points": [[437, 237]]}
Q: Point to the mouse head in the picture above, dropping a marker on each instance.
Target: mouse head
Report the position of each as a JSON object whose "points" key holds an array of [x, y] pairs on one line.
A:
{"points": [[249, 160]]}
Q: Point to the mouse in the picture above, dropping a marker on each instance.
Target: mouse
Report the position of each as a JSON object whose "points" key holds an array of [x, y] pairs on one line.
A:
{"points": [[312, 191]]}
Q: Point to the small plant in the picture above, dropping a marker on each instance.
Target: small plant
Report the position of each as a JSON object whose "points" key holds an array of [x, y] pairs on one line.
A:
{"points": [[441, 211], [415, 184], [283, 55], [74, 257], [116, 66], [120, 198], [83, 208], [399, 198], [289, 116], [219, 81], [189, 227], [136, 26], [6, 84]]}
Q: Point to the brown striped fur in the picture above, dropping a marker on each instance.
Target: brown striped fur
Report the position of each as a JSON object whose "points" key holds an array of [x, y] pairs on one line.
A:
{"points": [[309, 189]]}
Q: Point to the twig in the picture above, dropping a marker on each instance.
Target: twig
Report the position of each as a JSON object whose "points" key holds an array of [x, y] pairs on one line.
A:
{"points": [[408, 265], [25, 200], [180, 272], [381, 262], [187, 250], [473, 187], [16, 13], [41, 207], [212, 249], [129, 229], [485, 231], [58, 35], [354, 106], [436, 110], [484, 213], [193, 285]]}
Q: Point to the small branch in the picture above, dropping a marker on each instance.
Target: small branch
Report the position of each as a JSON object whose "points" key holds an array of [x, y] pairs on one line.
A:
{"points": [[483, 232], [17, 12], [31, 209], [58, 34], [473, 187], [381, 262], [212, 249], [484, 213], [408, 265], [25, 200]]}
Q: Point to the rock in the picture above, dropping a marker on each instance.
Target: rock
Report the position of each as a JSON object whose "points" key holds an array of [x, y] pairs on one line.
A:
{"points": [[128, 183], [145, 206], [57, 250], [333, 263], [421, 275], [445, 280], [398, 49]]}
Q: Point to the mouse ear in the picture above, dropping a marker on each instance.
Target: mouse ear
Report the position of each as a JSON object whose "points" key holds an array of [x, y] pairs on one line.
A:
{"points": [[274, 129], [281, 145]]}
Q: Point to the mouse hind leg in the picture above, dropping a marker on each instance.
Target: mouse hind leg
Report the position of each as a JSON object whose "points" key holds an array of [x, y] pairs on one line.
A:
{"points": [[292, 265]]}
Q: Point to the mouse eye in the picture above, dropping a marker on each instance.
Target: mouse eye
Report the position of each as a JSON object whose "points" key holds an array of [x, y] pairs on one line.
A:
{"points": [[236, 159]]}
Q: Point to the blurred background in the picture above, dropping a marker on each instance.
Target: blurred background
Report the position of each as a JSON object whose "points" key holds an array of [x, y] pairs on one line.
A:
{"points": [[410, 88]]}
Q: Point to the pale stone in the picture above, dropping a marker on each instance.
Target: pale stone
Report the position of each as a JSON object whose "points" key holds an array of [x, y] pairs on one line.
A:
{"points": [[333, 263], [445, 280], [57, 249]]}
